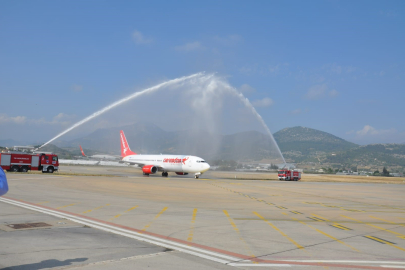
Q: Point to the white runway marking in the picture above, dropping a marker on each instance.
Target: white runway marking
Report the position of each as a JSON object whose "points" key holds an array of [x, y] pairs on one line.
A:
{"points": [[345, 261], [213, 256], [199, 252]]}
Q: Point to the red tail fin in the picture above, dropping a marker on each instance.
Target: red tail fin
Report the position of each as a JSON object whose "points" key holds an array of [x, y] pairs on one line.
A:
{"points": [[125, 150], [81, 149]]}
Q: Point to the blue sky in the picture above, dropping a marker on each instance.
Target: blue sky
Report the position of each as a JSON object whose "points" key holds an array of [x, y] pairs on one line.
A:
{"points": [[336, 66]]}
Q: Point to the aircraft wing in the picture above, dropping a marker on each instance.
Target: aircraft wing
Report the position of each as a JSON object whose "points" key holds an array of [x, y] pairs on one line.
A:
{"points": [[141, 164], [3, 182]]}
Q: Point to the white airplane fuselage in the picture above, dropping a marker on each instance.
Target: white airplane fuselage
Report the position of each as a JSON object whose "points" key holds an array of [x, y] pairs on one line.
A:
{"points": [[151, 164], [171, 163]]}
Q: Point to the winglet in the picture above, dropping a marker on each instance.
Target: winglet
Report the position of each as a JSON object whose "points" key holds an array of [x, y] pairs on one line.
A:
{"points": [[125, 150], [81, 149]]}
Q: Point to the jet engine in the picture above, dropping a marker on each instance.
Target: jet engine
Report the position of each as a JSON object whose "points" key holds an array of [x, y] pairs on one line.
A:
{"points": [[149, 169], [181, 173]]}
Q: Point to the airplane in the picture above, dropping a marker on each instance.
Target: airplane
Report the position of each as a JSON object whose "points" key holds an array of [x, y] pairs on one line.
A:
{"points": [[151, 164], [3, 182], [99, 157]]}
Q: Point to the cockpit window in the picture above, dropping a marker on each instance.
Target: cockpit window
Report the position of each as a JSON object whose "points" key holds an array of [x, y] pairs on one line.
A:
{"points": [[201, 161]]}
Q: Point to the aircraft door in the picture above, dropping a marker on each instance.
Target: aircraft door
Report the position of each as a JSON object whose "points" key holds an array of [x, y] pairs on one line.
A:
{"points": [[190, 162]]}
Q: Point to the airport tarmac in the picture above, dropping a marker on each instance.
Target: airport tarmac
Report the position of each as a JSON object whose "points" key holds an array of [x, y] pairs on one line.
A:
{"points": [[128, 220]]}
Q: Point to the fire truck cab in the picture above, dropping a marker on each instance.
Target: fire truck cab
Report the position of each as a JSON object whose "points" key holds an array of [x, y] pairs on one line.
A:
{"points": [[22, 162], [289, 175]]}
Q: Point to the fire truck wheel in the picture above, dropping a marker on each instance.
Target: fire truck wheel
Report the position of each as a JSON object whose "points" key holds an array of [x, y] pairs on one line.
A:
{"points": [[24, 169], [15, 168], [50, 169]]}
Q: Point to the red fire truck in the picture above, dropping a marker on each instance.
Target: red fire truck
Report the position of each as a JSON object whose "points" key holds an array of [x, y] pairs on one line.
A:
{"points": [[288, 175], [22, 162]]}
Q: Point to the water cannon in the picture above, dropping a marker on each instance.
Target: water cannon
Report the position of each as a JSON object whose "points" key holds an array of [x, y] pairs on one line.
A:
{"points": [[3, 182]]}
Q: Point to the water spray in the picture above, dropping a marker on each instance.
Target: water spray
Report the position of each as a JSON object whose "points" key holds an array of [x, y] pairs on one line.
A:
{"points": [[249, 105], [121, 101], [215, 84]]}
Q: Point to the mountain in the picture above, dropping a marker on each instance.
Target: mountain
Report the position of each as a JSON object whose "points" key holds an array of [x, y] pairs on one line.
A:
{"points": [[372, 154], [307, 139], [299, 144]]}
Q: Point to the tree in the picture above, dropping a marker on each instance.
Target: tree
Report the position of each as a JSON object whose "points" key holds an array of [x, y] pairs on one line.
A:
{"points": [[273, 167], [376, 173], [385, 172]]}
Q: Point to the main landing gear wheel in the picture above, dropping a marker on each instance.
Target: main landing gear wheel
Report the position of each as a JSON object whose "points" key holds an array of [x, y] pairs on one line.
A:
{"points": [[147, 174], [165, 174]]}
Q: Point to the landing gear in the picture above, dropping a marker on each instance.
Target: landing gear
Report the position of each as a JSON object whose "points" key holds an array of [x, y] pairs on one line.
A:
{"points": [[165, 174], [146, 174], [196, 176]]}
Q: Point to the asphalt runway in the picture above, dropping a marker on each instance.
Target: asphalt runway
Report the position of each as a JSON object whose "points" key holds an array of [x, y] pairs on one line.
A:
{"points": [[128, 220]]}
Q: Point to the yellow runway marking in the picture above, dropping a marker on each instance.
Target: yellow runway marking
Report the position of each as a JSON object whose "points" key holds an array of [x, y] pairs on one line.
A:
{"points": [[327, 235], [88, 211], [341, 227], [377, 227], [281, 232], [316, 219], [191, 233], [158, 215], [281, 207], [43, 202], [387, 221], [66, 205], [132, 208], [335, 224], [239, 234], [384, 242], [321, 218]]}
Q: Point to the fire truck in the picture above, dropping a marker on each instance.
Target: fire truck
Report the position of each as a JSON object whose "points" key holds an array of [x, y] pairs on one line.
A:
{"points": [[289, 175], [22, 162]]}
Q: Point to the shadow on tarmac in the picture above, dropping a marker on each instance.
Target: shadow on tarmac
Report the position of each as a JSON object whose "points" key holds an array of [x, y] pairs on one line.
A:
{"points": [[45, 264]]}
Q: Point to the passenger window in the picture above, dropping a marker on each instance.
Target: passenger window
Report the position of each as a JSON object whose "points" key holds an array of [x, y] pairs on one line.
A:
{"points": [[46, 157]]}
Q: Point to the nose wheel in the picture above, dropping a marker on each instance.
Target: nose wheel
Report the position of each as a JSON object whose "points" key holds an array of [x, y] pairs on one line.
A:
{"points": [[196, 176]]}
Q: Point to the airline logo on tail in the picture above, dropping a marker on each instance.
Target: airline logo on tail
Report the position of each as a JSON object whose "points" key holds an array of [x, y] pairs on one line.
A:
{"points": [[125, 150], [81, 149]]}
